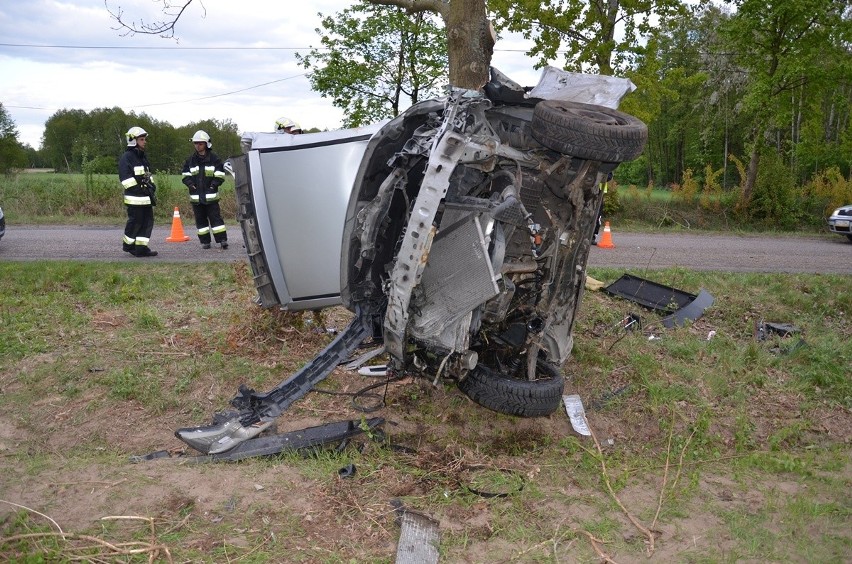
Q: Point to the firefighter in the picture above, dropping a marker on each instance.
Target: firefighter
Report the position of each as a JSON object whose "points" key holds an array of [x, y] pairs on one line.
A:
{"points": [[287, 125], [203, 173], [604, 187], [134, 172]]}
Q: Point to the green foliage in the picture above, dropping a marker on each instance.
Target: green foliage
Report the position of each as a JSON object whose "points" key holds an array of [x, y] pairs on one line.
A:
{"points": [[612, 201], [829, 189], [711, 193], [585, 32], [713, 82], [377, 60], [774, 199], [91, 197], [688, 190], [12, 153], [89, 142]]}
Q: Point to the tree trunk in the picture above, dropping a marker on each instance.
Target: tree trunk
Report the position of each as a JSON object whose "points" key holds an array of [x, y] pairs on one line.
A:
{"points": [[470, 44], [751, 171]]}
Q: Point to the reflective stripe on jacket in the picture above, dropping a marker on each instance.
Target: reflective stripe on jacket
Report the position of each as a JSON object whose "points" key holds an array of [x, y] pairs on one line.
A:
{"points": [[203, 176]]}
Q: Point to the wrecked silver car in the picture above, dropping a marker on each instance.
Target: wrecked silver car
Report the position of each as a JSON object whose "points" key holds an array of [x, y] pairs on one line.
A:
{"points": [[465, 237]]}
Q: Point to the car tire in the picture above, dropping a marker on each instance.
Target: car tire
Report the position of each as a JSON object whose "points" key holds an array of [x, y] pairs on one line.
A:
{"points": [[513, 396], [849, 237], [588, 131]]}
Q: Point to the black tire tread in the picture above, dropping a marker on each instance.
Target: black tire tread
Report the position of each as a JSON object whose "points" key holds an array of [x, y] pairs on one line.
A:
{"points": [[513, 396], [588, 131]]}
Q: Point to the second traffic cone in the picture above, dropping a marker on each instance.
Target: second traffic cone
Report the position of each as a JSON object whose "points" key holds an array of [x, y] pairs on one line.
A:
{"points": [[606, 238], [177, 236]]}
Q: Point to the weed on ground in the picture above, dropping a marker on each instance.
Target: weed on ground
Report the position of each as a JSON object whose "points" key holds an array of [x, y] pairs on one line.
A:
{"points": [[708, 444]]}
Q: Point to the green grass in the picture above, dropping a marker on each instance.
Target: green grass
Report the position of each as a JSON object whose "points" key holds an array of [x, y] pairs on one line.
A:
{"points": [[105, 360], [56, 198], [41, 198]]}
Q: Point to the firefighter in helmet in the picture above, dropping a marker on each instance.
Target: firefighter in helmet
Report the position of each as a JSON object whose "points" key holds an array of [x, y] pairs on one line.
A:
{"points": [[604, 187], [287, 125], [134, 172], [203, 173]]}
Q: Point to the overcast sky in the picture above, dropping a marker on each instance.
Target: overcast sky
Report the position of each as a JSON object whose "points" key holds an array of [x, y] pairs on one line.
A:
{"points": [[86, 63]]}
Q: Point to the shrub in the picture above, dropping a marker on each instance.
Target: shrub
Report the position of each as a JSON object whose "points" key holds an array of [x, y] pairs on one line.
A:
{"points": [[773, 199], [711, 193], [686, 191]]}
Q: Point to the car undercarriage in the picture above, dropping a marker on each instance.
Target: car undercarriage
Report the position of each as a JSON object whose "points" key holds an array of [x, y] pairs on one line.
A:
{"points": [[464, 249]]}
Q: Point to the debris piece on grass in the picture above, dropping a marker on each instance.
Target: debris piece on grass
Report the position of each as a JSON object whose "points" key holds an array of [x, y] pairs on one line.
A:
{"points": [[592, 284], [679, 305], [418, 540], [274, 444], [347, 471], [630, 322], [377, 370], [763, 328], [576, 413]]}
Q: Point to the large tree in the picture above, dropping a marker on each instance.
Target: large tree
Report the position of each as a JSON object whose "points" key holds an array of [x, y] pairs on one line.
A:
{"points": [[376, 59], [12, 153]]}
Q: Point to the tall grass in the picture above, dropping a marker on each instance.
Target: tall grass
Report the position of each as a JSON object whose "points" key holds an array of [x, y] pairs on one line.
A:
{"points": [[684, 208], [58, 198]]}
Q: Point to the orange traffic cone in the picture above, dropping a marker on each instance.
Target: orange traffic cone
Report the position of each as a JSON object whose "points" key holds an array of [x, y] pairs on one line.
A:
{"points": [[606, 238], [177, 236]]}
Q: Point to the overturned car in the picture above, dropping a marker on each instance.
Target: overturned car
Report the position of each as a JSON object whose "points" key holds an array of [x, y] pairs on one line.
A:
{"points": [[460, 232]]}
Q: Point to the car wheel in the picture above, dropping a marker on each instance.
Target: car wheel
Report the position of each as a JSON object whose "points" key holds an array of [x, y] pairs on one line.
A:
{"points": [[849, 237], [513, 396], [588, 131]]}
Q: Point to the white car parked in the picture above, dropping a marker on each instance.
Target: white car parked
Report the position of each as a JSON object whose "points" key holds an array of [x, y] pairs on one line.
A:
{"points": [[841, 221]]}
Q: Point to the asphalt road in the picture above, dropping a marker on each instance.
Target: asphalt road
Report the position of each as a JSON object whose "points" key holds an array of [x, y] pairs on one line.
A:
{"points": [[729, 253]]}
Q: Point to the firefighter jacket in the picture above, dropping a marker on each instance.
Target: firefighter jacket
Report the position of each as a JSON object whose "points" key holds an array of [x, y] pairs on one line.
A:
{"points": [[203, 176], [134, 172]]}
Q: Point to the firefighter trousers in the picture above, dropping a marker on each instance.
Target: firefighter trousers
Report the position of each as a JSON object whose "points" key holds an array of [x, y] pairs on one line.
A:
{"points": [[208, 220], [137, 231]]}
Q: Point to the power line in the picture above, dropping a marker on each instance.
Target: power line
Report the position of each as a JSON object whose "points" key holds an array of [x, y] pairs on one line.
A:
{"points": [[178, 101], [149, 48], [223, 94]]}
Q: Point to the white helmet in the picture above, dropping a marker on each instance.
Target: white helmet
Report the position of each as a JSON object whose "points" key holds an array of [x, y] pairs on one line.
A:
{"points": [[133, 133], [287, 125], [202, 137]]}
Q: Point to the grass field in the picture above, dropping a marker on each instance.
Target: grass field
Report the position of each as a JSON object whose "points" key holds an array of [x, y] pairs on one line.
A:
{"points": [[62, 199], [709, 445]]}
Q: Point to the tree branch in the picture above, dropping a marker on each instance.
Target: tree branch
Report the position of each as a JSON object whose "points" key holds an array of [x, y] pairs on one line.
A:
{"points": [[413, 6], [165, 28]]}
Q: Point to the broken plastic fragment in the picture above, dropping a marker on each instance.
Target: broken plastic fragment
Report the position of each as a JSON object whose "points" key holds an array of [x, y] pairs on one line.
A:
{"points": [[377, 370], [216, 438], [576, 413]]}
